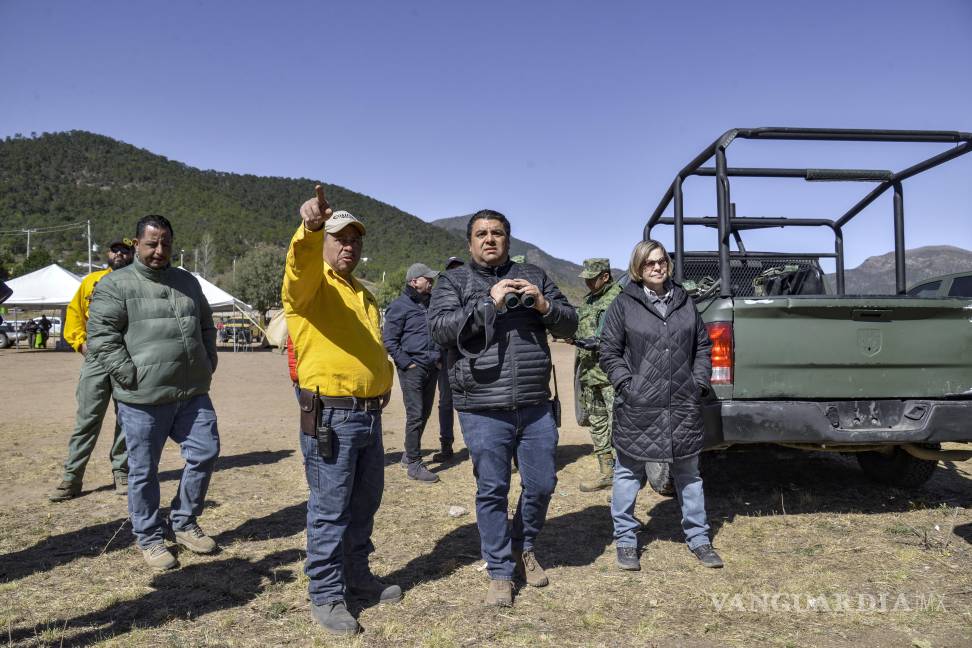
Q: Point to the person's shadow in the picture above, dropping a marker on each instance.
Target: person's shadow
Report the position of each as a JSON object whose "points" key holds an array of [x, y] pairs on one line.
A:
{"points": [[557, 546], [242, 460], [188, 592]]}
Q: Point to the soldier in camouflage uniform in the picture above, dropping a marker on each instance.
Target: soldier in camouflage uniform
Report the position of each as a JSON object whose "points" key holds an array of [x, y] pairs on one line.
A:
{"points": [[593, 391]]}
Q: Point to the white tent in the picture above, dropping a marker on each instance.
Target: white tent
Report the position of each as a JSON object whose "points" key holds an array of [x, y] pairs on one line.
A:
{"points": [[48, 287], [218, 298]]}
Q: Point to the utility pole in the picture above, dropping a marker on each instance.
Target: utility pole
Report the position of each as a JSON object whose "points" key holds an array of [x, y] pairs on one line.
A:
{"points": [[28, 242], [182, 258], [89, 247], [195, 260], [234, 273]]}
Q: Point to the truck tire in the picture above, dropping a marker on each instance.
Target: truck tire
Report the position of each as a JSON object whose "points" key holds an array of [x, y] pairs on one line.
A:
{"points": [[4, 341], [660, 478], [898, 469]]}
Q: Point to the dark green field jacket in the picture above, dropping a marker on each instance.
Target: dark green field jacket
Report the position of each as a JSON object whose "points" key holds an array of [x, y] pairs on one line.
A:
{"points": [[153, 332]]}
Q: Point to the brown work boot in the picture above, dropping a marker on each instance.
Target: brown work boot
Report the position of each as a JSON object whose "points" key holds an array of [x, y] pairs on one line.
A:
{"points": [[529, 569], [605, 464], [500, 593], [159, 557], [195, 540], [65, 490]]}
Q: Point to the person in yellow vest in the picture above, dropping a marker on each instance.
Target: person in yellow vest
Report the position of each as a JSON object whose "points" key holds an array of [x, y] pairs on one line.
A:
{"points": [[344, 378], [94, 388]]}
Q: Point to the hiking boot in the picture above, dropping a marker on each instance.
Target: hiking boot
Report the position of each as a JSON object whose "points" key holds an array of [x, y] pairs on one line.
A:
{"points": [[500, 593], [335, 618], [159, 557], [708, 556], [529, 569], [605, 465], [446, 454], [628, 559], [370, 588], [418, 471], [65, 490], [121, 484], [193, 539]]}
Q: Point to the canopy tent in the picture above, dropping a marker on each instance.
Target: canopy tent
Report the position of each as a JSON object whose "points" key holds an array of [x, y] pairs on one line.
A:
{"points": [[219, 299], [50, 287]]}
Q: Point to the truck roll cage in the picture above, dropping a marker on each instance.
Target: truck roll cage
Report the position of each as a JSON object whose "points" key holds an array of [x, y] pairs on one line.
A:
{"points": [[728, 224]]}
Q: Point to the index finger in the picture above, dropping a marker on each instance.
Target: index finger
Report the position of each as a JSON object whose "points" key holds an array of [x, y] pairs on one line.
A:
{"points": [[320, 195]]}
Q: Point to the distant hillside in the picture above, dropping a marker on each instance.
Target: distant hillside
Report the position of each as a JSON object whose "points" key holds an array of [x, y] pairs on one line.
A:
{"points": [[876, 275], [75, 176], [564, 273]]}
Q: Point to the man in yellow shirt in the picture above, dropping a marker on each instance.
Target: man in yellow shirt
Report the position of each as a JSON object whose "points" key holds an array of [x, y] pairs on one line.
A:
{"points": [[344, 377], [94, 389]]}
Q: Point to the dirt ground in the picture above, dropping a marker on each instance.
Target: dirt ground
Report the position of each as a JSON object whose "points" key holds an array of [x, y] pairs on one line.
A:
{"points": [[816, 554]]}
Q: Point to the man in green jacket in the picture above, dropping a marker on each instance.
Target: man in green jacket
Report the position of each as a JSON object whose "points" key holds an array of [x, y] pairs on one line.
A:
{"points": [[595, 394], [152, 330]]}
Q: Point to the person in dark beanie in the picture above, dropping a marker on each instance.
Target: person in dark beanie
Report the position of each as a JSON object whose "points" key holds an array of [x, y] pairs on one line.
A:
{"points": [[418, 360]]}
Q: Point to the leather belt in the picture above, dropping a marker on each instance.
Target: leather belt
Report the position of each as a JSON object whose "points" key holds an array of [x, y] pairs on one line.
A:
{"points": [[352, 403]]}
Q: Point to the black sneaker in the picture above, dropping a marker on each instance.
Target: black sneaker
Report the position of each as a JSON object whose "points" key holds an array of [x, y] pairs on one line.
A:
{"points": [[418, 471], [335, 618], [369, 588], [445, 454], [628, 559], [708, 556]]}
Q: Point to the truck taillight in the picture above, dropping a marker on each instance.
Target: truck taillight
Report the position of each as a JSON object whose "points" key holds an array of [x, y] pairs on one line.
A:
{"points": [[721, 335]]}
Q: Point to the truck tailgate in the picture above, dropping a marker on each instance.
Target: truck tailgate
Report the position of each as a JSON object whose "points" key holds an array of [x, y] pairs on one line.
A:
{"points": [[852, 347]]}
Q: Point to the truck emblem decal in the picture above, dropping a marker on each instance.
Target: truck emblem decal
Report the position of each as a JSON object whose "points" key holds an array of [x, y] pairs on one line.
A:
{"points": [[869, 340]]}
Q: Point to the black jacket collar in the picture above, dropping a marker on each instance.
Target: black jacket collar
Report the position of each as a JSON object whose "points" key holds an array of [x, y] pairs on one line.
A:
{"points": [[415, 296]]}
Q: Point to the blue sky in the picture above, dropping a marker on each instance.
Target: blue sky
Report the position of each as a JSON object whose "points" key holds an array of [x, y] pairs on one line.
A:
{"points": [[570, 117]]}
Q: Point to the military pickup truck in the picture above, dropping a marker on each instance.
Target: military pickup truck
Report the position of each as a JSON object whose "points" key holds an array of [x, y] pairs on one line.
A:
{"points": [[886, 377]]}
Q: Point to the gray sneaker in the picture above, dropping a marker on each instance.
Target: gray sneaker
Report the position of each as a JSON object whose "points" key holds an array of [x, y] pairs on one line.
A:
{"points": [[628, 558], [370, 588], [418, 471], [158, 557], [708, 556], [335, 618], [193, 539]]}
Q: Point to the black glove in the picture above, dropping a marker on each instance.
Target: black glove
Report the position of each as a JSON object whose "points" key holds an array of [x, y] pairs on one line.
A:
{"points": [[588, 344]]}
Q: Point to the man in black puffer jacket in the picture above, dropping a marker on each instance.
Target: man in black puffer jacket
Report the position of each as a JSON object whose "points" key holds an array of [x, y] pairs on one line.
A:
{"points": [[493, 316]]}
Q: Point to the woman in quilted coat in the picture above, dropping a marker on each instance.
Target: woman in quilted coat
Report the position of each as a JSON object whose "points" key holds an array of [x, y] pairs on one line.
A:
{"points": [[656, 353]]}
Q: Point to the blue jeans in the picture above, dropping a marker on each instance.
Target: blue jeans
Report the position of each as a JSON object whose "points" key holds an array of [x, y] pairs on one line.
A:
{"points": [[493, 437], [345, 492], [629, 477], [190, 423]]}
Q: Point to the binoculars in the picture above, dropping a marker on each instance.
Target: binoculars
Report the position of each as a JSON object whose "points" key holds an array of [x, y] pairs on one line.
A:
{"points": [[515, 300]]}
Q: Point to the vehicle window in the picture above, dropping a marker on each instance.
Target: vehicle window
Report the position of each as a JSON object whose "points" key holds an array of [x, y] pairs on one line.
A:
{"points": [[961, 287], [929, 289]]}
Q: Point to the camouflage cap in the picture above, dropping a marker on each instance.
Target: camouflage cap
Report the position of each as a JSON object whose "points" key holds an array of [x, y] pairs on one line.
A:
{"points": [[594, 267]]}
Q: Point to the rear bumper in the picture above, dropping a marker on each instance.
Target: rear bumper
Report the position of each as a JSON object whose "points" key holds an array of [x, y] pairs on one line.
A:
{"points": [[837, 422]]}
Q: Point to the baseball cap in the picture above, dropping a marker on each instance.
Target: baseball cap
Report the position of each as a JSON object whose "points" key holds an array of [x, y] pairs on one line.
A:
{"points": [[341, 219], [455, 260], [125, 242], [417, 270]]}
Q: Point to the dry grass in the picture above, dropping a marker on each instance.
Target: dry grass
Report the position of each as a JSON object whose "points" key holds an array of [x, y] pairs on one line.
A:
{"points": [[787, 523]]}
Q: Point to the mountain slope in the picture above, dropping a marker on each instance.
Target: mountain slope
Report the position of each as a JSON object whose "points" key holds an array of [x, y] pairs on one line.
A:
{"points": [[75, 176], [875, 276]]}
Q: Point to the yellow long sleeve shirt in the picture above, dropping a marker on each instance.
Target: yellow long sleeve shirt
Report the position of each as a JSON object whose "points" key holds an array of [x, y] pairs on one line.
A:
{"points": [[334, 325], [76, 318]]}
